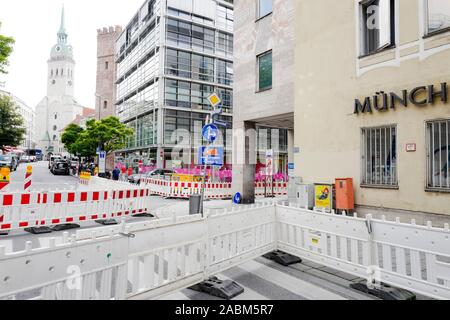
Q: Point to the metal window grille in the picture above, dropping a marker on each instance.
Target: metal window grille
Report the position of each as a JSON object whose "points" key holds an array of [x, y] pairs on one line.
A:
{"points": [[438, 155], [379, 156]]}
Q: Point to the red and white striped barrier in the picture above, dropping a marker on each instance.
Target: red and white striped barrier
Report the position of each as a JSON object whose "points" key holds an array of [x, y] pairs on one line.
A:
{"points": [[36, 209], [28, 175], [183, 190], [4, 178], [16, 209], [279, 189]]}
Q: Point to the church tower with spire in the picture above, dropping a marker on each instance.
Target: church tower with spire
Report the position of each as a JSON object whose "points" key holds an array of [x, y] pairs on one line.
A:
{"points": [[61, 65], [59, 108]]}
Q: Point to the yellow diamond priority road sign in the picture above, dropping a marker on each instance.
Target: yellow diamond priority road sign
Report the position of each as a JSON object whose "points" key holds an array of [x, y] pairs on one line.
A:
{"points": [[214, 100]]}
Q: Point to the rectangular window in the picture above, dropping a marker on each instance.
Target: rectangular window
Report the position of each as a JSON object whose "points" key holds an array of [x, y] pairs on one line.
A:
{"points": [[187, 65], [225, 18], [225, 44], [377, 25], [438, 155], [106, 65], [438, 15], [187, 95], [379, 156], [187, 35], [264, 8], [225, 72], [265, 71]]}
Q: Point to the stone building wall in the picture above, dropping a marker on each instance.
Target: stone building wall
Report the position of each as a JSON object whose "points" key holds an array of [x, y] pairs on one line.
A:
{"points": [[106, 71]]}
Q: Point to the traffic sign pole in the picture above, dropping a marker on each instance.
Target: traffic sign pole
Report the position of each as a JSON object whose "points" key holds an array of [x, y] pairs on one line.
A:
{"points": [[210, 133], [204, 186], [102, 162]]}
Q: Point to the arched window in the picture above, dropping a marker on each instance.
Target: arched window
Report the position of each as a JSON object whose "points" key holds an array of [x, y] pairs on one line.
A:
{"points": [[62, 72], [54, 137], [52, 72], [105, 104], [54, 128], [57, 72]]}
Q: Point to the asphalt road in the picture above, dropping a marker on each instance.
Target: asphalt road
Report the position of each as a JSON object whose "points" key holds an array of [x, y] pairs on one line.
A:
{"points": [[42, 179]]}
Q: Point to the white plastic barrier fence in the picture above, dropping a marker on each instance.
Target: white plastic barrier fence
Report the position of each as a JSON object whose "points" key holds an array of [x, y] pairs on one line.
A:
{"points": [[146, 260], [157, 186], [67, 269], [173, 189], [165, 255], [38, 209], [408, 256], [411, 256], [239, 235], [171, 254], [141, 260]]}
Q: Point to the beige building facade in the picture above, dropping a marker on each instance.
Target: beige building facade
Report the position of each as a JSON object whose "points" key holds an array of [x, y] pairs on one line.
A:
{"points": [[372, 101]]}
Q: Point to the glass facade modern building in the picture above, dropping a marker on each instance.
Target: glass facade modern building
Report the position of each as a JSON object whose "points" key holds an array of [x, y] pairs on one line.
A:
{"points": [[172, 55]]}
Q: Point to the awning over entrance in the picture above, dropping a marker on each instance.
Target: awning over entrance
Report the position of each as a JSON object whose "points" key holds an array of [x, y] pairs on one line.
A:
{"points": [[13, 150], [282, 121]]}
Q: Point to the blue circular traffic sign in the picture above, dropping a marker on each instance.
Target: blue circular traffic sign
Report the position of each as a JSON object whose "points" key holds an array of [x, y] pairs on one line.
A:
{"points": [[237, 198], [210, 132]]}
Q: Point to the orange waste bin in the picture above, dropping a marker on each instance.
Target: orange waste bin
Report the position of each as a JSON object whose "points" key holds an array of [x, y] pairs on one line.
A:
{"points": [[345, 198]]}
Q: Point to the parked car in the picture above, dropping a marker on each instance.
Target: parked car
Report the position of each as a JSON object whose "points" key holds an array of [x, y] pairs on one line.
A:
{"points": [[9, 160], [136, 178], [25, 159], [52, 160], [160, 172], [56, 162], [61, 168]]}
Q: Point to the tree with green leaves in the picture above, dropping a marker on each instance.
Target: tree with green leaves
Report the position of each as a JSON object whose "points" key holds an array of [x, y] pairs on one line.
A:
{"points": [[85, 146], [6, 48], [12, 130], [108, 134], [70, 137]]}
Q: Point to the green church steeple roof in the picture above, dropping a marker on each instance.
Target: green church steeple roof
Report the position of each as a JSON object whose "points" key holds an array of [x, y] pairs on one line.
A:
{"points": [[62, 35], [62, 50]]}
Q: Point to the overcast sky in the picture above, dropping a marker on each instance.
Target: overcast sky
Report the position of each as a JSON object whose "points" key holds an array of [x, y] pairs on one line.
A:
{"points": [[34, 25]]}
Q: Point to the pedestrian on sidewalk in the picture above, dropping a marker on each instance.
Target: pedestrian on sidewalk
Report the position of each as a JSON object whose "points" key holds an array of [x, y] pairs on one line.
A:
{"points": [[116, 174]]}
